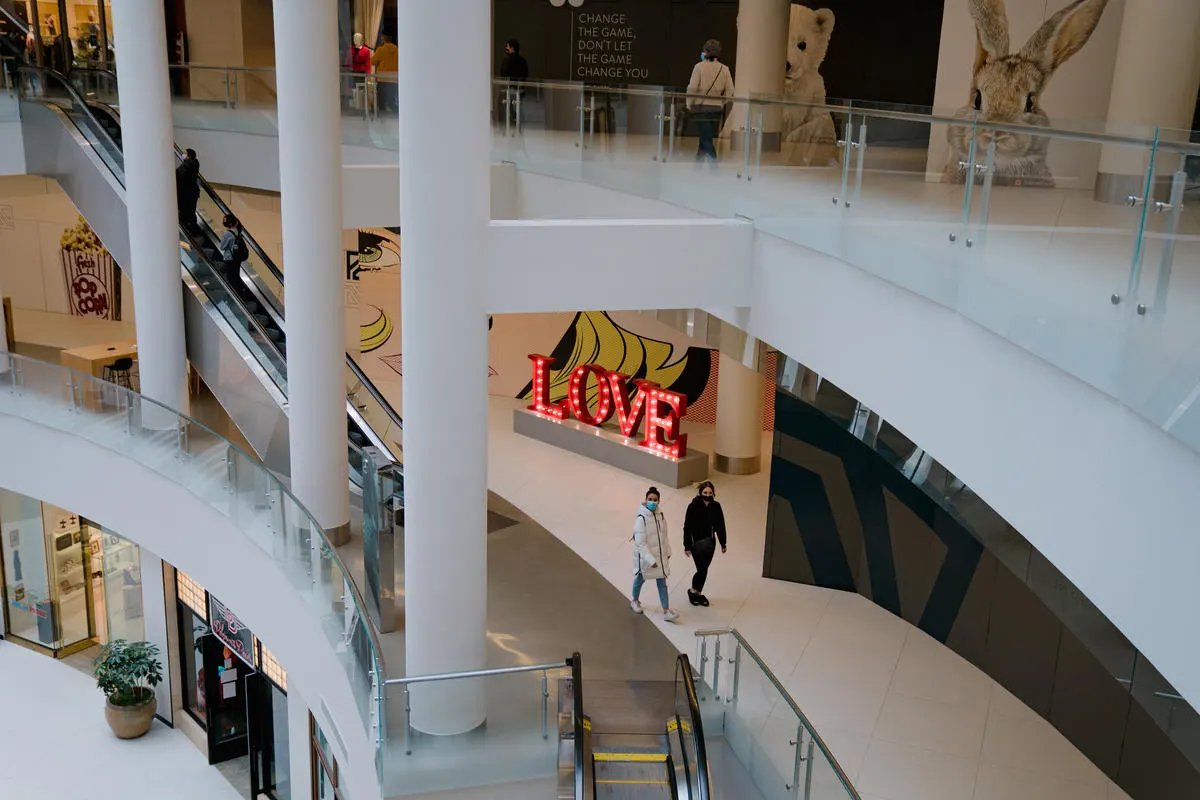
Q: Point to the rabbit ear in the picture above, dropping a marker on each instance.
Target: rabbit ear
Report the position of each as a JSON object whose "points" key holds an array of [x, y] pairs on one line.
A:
{"points": [[1061, 36], [991, 29]]}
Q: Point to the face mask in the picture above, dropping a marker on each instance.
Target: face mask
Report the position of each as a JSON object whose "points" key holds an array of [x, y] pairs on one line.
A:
{"points": [[652, 505], [704, 56], [706, 499]]}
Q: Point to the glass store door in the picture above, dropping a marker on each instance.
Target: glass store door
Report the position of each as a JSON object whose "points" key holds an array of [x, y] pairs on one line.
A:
{"points": [[225, 697], [266, 716]]}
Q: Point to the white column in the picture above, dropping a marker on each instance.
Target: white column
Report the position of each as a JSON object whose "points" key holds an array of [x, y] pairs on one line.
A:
{"points": [[762, 27], [739, 418], [445, 193], [149, 146], [299, 744], [1155, 80], [310, 178]]}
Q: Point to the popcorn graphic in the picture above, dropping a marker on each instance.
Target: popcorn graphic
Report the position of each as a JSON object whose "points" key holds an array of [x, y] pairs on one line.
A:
{"points": [[92, 277]]}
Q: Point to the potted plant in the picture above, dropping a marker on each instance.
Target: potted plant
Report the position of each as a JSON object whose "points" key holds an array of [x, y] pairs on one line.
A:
{"points": [[127, 673]]}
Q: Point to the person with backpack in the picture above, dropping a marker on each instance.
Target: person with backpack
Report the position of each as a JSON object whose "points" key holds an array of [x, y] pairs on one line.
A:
{"points": [[232, 251], [651, 553]]}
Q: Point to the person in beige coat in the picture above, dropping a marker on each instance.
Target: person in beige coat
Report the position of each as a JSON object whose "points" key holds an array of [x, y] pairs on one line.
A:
{"points": [[710, 85], [651, 553]]}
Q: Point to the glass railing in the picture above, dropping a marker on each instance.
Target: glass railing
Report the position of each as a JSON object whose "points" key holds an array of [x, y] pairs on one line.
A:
{"points": [[529, 711], [1117, 656], [1032, 247], [745, 703], [690, 728], [220, 474]]}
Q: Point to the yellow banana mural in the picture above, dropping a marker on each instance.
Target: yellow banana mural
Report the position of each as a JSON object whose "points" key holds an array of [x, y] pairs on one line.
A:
{"points": [[373, 335]]}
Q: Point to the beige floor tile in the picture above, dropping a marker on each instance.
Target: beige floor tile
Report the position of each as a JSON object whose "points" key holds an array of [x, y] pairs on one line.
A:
{"points": [[1033, 745], [903, 772], [932, 671], [944, 727], [849, 748], [850, 707], [997, 782]]}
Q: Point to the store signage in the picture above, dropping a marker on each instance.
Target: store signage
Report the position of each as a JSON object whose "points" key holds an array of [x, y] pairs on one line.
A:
{"points": [[659, 408]]}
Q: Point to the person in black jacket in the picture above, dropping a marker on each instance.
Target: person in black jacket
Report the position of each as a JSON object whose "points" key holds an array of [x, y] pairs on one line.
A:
{"points": [[514, 67], [703, 526], [187, 190]]}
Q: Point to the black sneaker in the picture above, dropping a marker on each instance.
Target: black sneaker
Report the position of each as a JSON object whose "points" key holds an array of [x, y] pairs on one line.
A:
{"points": [[701, 600], [695, 598]]}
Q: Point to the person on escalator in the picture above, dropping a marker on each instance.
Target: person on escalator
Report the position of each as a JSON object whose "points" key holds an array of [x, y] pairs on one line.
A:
{"points": [[232, 252], [187, 190], [703, 526], [651, 553]]}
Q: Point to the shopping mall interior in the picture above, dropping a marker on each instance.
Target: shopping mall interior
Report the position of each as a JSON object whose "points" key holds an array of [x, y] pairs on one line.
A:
{"points": [[706, 399]]}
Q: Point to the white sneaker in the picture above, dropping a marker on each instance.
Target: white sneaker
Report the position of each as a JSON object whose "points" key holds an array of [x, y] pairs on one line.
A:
{"points": [[635, 606], [670, 616]]}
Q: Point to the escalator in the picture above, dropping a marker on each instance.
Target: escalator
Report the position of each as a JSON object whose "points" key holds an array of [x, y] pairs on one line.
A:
{"points": [[236, 332], [635, 740]]}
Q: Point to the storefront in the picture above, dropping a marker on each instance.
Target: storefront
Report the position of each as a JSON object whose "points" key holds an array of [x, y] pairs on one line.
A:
{"points": [[233, 688], [70, 31], [68, 583]]}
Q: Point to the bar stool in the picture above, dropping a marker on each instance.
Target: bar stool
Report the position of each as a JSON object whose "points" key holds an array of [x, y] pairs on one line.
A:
{"points": [[119, 371]]}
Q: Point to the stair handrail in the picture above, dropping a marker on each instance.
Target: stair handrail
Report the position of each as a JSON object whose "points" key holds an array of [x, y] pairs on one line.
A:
{"points": [[804, 720]]}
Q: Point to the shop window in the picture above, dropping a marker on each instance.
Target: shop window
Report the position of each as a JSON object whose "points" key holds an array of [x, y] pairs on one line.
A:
{"points": [[191, 594], [192, 629], [324, 765]]}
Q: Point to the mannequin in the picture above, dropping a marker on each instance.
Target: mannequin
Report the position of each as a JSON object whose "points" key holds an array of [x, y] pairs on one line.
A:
{"points": [[360, 56]]}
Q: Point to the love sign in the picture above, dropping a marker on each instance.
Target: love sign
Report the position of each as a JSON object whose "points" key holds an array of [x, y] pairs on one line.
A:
{"points": [[659, 408]]}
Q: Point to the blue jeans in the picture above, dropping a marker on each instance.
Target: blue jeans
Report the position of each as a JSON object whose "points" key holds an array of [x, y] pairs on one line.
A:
{"points": [[638, 581], [708, 124]]}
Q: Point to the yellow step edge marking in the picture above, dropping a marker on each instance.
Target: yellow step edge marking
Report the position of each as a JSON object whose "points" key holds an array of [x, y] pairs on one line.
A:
{"points": [[640, 783], [632, 757]]}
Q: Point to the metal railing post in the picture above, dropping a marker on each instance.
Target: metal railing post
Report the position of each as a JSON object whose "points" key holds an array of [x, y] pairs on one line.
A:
{"points": [[716, 681], [861, 151], [703, 657], [545, 704], [796, 744], [737, 672], [808, 771], [227, 88], [746, 137], [407, 721]]}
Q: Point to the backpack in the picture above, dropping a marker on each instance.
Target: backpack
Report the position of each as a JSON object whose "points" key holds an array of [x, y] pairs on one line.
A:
{"points": [[241, 253]]}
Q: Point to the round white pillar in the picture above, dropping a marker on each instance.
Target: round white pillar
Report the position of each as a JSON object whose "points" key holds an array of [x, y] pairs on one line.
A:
{"points": [[310, 179], [149, 146], [738, 449], [762, 27], [445, 188], [1155, 80]]}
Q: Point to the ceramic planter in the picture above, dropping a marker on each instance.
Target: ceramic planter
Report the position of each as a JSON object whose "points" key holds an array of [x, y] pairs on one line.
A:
{"points": [[130, 722]]}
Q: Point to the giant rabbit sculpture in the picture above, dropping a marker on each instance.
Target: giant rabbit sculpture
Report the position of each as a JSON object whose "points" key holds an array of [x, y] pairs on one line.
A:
{"points": [[1006, 88]]}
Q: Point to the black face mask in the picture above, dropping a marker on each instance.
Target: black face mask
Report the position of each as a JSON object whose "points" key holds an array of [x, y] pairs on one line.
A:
{"points": [[706, 499]]}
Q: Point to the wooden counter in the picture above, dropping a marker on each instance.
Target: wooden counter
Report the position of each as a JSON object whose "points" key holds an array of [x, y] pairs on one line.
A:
{"points": [[92, 359]]}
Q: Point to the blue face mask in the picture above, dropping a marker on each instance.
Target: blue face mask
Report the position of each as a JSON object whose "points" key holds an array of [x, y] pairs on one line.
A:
{"points": [[652, 505], [704, 56]]}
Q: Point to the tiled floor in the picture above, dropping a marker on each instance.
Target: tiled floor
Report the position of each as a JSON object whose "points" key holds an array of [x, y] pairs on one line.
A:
{"points": [[907, 718], [57, 746]]}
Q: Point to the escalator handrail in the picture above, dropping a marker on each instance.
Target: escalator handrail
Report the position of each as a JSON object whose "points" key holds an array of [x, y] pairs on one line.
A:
{"points": [[101, 133], [269, 296], [581, 788], [362, 378], [683, 668]]}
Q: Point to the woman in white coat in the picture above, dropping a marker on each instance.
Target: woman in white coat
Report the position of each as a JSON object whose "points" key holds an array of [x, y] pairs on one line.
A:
{"points": [[651, 553]]}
